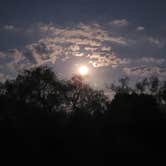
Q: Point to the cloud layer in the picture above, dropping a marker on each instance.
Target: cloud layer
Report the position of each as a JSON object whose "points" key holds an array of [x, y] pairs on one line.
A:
{"points": [[88, 41], [99, 45]]}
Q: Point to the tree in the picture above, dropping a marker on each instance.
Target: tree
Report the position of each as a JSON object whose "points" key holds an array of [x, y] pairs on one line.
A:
{"points": [[122, 87], [142, 86], [154, 85], [148, 86], [39, 86], [162, 95], [83, 97]]}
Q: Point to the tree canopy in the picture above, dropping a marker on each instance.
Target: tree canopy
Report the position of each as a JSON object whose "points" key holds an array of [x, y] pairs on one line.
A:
{"points": [[46, 114]]}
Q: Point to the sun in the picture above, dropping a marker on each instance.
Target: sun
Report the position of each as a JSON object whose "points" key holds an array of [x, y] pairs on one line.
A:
{"points": [[83, 70]]}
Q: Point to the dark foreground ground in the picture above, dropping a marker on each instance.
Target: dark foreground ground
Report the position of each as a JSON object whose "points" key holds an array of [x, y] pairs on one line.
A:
{"points": [[80, 137]]}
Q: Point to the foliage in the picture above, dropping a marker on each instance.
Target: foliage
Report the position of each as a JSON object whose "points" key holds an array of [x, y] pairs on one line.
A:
{"points": [[73, 121], [41, 87]]}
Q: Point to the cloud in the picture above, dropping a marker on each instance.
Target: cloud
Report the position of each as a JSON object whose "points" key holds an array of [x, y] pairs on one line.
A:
{"points": [[9, 27], [145, 67], [10, 56], [41, 52], [111, 60], [74, 48], [4, 76], [140, 28], [152, 60], [145, 71], [120, 22], [80, 41], [156, 41], [90, 48], [83, 34], [93, 43], [11, 62], [106, 48]]}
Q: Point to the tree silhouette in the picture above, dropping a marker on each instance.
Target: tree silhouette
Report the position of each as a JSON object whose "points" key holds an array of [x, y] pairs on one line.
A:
{"points": [[122, 87], [162, 96], [41, 87], [37, 86], [86, 98], [72, 120]]}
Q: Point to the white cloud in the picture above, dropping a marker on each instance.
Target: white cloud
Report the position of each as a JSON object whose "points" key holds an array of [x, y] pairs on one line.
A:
{"points": [[9, 27], [120, 22], [146, 66], [106, 48], [151, 60], [41, 52], [82, 34], [90, 48], [79, 41], [74, 48], [156, 41], [145, 71], [90, 42], [140, 28], [110, 60], [12, 55]]}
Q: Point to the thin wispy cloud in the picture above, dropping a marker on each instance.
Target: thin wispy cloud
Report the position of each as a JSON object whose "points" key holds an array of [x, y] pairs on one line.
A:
{"points": [[156, 41], [82, 40], [97, 44], [140, 28], [145, 71], [120, 22]]}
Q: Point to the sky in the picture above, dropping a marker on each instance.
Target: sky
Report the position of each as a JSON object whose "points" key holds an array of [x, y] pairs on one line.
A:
{"points": [[114, 38]]}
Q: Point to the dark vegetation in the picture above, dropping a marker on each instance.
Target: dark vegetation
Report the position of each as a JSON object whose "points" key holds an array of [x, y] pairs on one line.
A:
{"points": [[40, 113]]}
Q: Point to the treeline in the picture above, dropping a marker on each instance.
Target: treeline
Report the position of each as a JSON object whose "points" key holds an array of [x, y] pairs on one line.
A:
{"points": [[40, 113]]}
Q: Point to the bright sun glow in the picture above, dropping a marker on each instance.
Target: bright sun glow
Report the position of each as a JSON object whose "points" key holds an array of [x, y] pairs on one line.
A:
{"points": [[83, 70]]}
